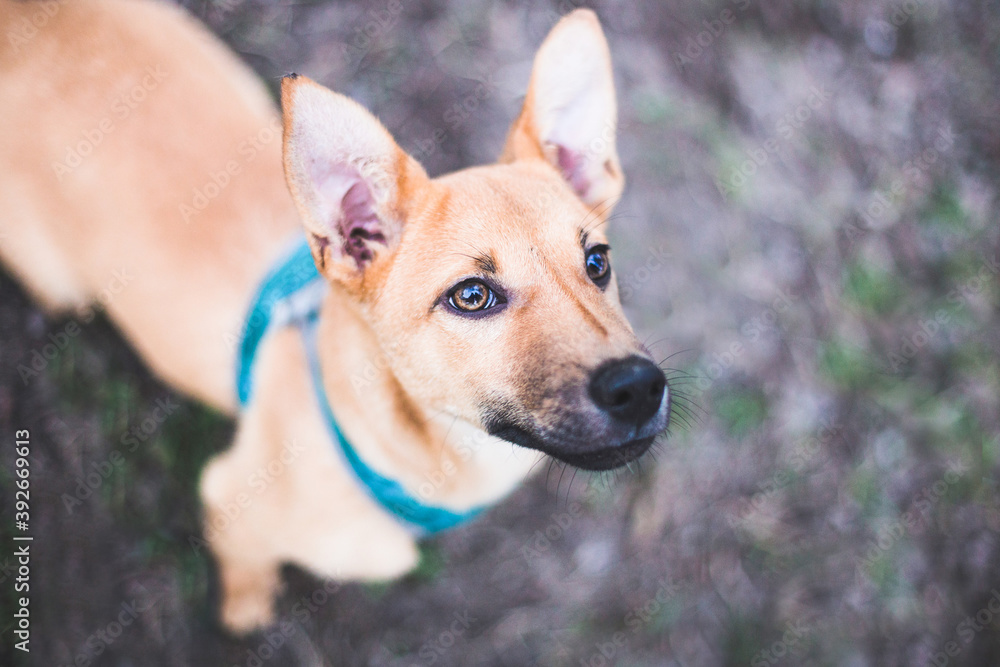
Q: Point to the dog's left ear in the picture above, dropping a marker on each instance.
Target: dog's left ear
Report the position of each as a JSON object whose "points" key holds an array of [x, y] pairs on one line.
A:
{"points": [[570, 114], [351, 182]]}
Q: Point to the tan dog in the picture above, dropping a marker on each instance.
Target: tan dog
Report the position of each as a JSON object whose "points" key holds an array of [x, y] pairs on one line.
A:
{"points": [[462, 314]]}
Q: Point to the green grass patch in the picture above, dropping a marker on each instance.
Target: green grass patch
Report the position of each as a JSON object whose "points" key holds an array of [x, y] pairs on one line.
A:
{"points": [[741, 410], [666, 616], [431, 565], [746, 636], [944, 210], [883, 572], [865, 486], [848, 366], [653, 107], [871, 288]]}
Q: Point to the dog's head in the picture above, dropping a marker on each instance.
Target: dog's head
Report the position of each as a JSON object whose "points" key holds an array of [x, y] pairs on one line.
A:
{"points": [[491, 289]]}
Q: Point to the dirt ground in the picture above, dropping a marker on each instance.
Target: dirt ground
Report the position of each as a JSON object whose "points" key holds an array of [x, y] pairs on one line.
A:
{"points": [[809, 238]]}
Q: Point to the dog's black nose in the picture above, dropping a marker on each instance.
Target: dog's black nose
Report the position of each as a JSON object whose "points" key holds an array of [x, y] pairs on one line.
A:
{"points": [[630, 389]]}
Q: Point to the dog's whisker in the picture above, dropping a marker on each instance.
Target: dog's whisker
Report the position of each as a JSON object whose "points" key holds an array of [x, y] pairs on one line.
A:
{"points": [[679, 398], [533, 465], [676, 372], [559, 483], [684, 420], [683, 403], [572, 479], [679, 352], [653, 345], [685, 408]]}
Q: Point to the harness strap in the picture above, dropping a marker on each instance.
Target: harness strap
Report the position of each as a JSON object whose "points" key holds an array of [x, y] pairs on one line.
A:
{"points": [[291, 295], [273, 308], [387, 492]]}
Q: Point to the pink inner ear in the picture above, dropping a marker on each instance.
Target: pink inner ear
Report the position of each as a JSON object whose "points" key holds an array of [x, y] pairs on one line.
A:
{"points": [[572, 164], [359, 223], [354, 219]]}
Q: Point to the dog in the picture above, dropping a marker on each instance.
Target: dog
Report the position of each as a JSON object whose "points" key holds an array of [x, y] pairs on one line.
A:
{"points": [[413, 344]]}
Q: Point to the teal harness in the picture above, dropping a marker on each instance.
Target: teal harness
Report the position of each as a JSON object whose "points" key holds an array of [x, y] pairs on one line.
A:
{"points": [[291, 295]]}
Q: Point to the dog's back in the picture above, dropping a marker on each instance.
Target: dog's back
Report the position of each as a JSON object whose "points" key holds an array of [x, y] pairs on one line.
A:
{"points": [[140, 160]]}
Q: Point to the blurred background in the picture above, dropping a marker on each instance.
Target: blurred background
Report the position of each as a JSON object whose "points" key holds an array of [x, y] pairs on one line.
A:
{"points": [[809, 238]]}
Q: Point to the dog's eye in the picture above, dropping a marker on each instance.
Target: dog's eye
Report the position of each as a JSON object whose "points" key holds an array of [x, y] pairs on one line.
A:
{"points": [[472, 296], [598, 265]]}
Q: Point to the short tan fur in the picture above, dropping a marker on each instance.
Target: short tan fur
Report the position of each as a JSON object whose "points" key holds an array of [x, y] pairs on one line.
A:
{"points": [[423, 390]]}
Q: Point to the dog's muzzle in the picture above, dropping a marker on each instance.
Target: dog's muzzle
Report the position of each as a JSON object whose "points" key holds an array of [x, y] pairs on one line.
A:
{"points": [[625, 406]]}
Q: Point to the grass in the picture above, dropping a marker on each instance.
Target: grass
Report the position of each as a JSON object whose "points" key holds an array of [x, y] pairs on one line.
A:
{"points": [[154, 458], [741, 410], [849, 366], [871, 288], [944, 211]]}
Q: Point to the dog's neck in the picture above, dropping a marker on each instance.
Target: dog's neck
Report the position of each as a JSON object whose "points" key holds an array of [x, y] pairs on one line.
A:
{"points": [[440, 459]]}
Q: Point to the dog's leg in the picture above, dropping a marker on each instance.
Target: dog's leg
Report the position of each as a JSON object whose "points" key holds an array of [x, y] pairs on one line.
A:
{"points": [[281, 494], [242, 541], [249, 588], [306, 511]]}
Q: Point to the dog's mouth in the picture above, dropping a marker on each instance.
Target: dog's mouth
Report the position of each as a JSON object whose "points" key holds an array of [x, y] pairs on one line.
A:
{"points": [[602, 458], [608, 458]]}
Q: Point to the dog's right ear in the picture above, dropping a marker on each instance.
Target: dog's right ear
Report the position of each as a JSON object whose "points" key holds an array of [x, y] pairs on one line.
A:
{"points": [[570, 113], [351, 182]]}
